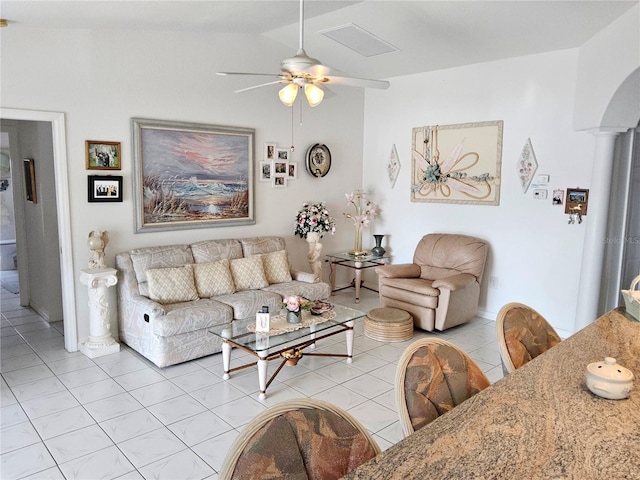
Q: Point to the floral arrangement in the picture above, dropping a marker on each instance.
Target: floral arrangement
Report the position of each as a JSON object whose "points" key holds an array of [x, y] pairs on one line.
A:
{"points": [[366, 208], [314, 217], [295, 303]]}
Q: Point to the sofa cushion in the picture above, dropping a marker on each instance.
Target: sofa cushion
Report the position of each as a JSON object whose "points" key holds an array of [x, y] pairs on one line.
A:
{"points": [[185, 317], [209, 251], [172, 285], [257, 245], [276, 267], [213, 279], [248, 273], [159, 257], [312, 291], [245, 304]]}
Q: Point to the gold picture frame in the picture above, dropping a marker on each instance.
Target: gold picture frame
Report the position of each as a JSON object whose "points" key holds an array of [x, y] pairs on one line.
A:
{"points": [[102, 155]]}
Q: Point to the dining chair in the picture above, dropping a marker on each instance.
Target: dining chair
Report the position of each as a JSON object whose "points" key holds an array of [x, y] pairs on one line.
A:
{"points": [[432, 377], [300, 438], [523, 334]]}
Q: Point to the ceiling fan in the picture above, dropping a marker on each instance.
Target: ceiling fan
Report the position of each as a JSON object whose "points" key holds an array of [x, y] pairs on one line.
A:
{"points": [[302, 71]]}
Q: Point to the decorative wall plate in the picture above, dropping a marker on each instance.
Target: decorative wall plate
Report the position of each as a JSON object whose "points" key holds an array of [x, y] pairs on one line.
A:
{"points": [[318, 160]]}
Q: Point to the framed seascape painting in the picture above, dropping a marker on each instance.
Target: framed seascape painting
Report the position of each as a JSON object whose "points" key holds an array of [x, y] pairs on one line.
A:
{"points": [[190, 175], [457, 163]]}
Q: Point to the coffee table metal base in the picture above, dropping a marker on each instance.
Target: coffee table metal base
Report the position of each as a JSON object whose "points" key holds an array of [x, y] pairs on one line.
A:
{"points": [[289, 355]]}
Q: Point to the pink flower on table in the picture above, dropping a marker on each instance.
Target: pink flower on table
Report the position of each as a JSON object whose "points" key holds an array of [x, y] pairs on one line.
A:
{"points": [[295, 303]]}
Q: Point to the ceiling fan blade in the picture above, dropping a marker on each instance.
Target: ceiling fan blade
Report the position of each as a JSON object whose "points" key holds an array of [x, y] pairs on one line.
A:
{"points": [[357, 82], [279, 75], [259, 86]]}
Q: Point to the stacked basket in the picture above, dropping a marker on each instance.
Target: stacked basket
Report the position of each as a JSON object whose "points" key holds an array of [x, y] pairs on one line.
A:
{"points": [[632, 299]]}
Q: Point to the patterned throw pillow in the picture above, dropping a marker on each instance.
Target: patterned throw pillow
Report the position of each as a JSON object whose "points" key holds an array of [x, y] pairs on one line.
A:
{"points": [[248, 273], [276, 267], [213, 279], [172, 285]]}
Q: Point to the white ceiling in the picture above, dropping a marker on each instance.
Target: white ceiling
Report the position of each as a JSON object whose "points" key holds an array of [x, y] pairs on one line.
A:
{"points": [[429, 35]]}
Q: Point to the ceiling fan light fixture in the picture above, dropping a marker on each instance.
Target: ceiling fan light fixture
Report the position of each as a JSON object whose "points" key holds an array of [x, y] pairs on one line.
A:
{"points": [[314, 94], [288, 94]]}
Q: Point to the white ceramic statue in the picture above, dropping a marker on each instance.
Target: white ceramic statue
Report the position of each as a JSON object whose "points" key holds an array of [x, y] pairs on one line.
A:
{"points": [[315, 249], [97, 242]]}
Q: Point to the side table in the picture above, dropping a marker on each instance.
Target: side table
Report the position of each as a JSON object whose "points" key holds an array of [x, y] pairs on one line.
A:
{"points": [[100, 342], [357, 263]]}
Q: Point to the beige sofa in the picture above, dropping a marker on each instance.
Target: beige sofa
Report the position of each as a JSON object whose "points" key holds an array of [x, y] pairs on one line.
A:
{"points": [[441, 287], [169, 296]]}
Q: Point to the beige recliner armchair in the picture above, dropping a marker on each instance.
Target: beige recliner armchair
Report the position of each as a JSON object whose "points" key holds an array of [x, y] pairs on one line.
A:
{"points": [[441, 288]]}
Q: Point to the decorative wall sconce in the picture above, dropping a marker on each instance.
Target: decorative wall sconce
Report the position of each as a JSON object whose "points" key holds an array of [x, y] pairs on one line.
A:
{"points": [[576, 204]]}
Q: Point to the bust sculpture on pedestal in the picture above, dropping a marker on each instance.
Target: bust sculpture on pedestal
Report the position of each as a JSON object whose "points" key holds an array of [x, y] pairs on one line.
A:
{"points": [[98, 279]]}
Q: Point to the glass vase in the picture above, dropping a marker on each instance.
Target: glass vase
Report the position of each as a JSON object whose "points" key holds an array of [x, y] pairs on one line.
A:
{"points": [[294, 317]]}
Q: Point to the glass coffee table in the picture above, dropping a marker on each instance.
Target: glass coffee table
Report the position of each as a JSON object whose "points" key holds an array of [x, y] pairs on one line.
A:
{"points": [[287, 347]]}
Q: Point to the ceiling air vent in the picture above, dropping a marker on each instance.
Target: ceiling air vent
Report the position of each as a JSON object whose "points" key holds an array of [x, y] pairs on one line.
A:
{"points": [[359, 40]]}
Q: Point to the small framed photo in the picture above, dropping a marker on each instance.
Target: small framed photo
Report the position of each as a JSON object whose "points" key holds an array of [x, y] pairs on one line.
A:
{"points": [[293, 170], [576, 197], [265, 171], [282, 155], [279, 182], [269, 153], [103, 155], [558, 195], [30, 180], [105, 188], [280, 169]]}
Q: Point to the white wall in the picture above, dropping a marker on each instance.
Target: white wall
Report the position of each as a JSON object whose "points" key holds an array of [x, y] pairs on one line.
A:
{"points": [[100, 79], [535, 255], [605, 62]]}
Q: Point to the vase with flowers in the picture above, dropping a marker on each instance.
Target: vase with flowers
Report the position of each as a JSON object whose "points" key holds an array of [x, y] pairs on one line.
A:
{"points": [[312, 222], [365, 210], [294, 305]]}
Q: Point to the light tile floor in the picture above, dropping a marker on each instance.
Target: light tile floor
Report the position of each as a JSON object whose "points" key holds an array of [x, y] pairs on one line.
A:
{"points": [[63, 415]]}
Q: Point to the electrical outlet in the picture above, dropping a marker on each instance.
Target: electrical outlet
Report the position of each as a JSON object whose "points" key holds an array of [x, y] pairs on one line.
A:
{"points": [[493, 282]]}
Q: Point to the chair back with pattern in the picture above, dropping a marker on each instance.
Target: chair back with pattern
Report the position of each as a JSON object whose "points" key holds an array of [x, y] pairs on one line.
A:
{"points": [[301, 438], [523, 334], [433, 376]]}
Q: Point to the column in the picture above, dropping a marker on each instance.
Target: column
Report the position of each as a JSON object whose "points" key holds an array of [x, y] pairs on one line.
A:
{"points": [[596, 228], [100, 342]]}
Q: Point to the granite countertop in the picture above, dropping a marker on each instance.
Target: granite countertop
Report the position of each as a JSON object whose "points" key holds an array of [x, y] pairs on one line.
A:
{"points": [[539, 422]]}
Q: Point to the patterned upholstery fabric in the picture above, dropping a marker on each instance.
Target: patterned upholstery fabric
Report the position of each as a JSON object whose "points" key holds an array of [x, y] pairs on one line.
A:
{"points": [[310, 290], [258, 245], [276, 267], [172, 285], [305, 443], [159, 257], [246, 303], [209, 251], [213, 279], [527, 334], [248, 273], [437, 378], [187, 317]]}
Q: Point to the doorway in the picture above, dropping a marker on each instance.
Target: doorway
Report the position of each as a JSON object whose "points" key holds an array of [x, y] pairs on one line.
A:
{"points": [[57, 122]]}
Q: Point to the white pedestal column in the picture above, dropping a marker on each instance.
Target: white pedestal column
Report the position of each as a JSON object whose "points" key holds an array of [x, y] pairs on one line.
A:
{"points": [[100, 342], [596, 229]]}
